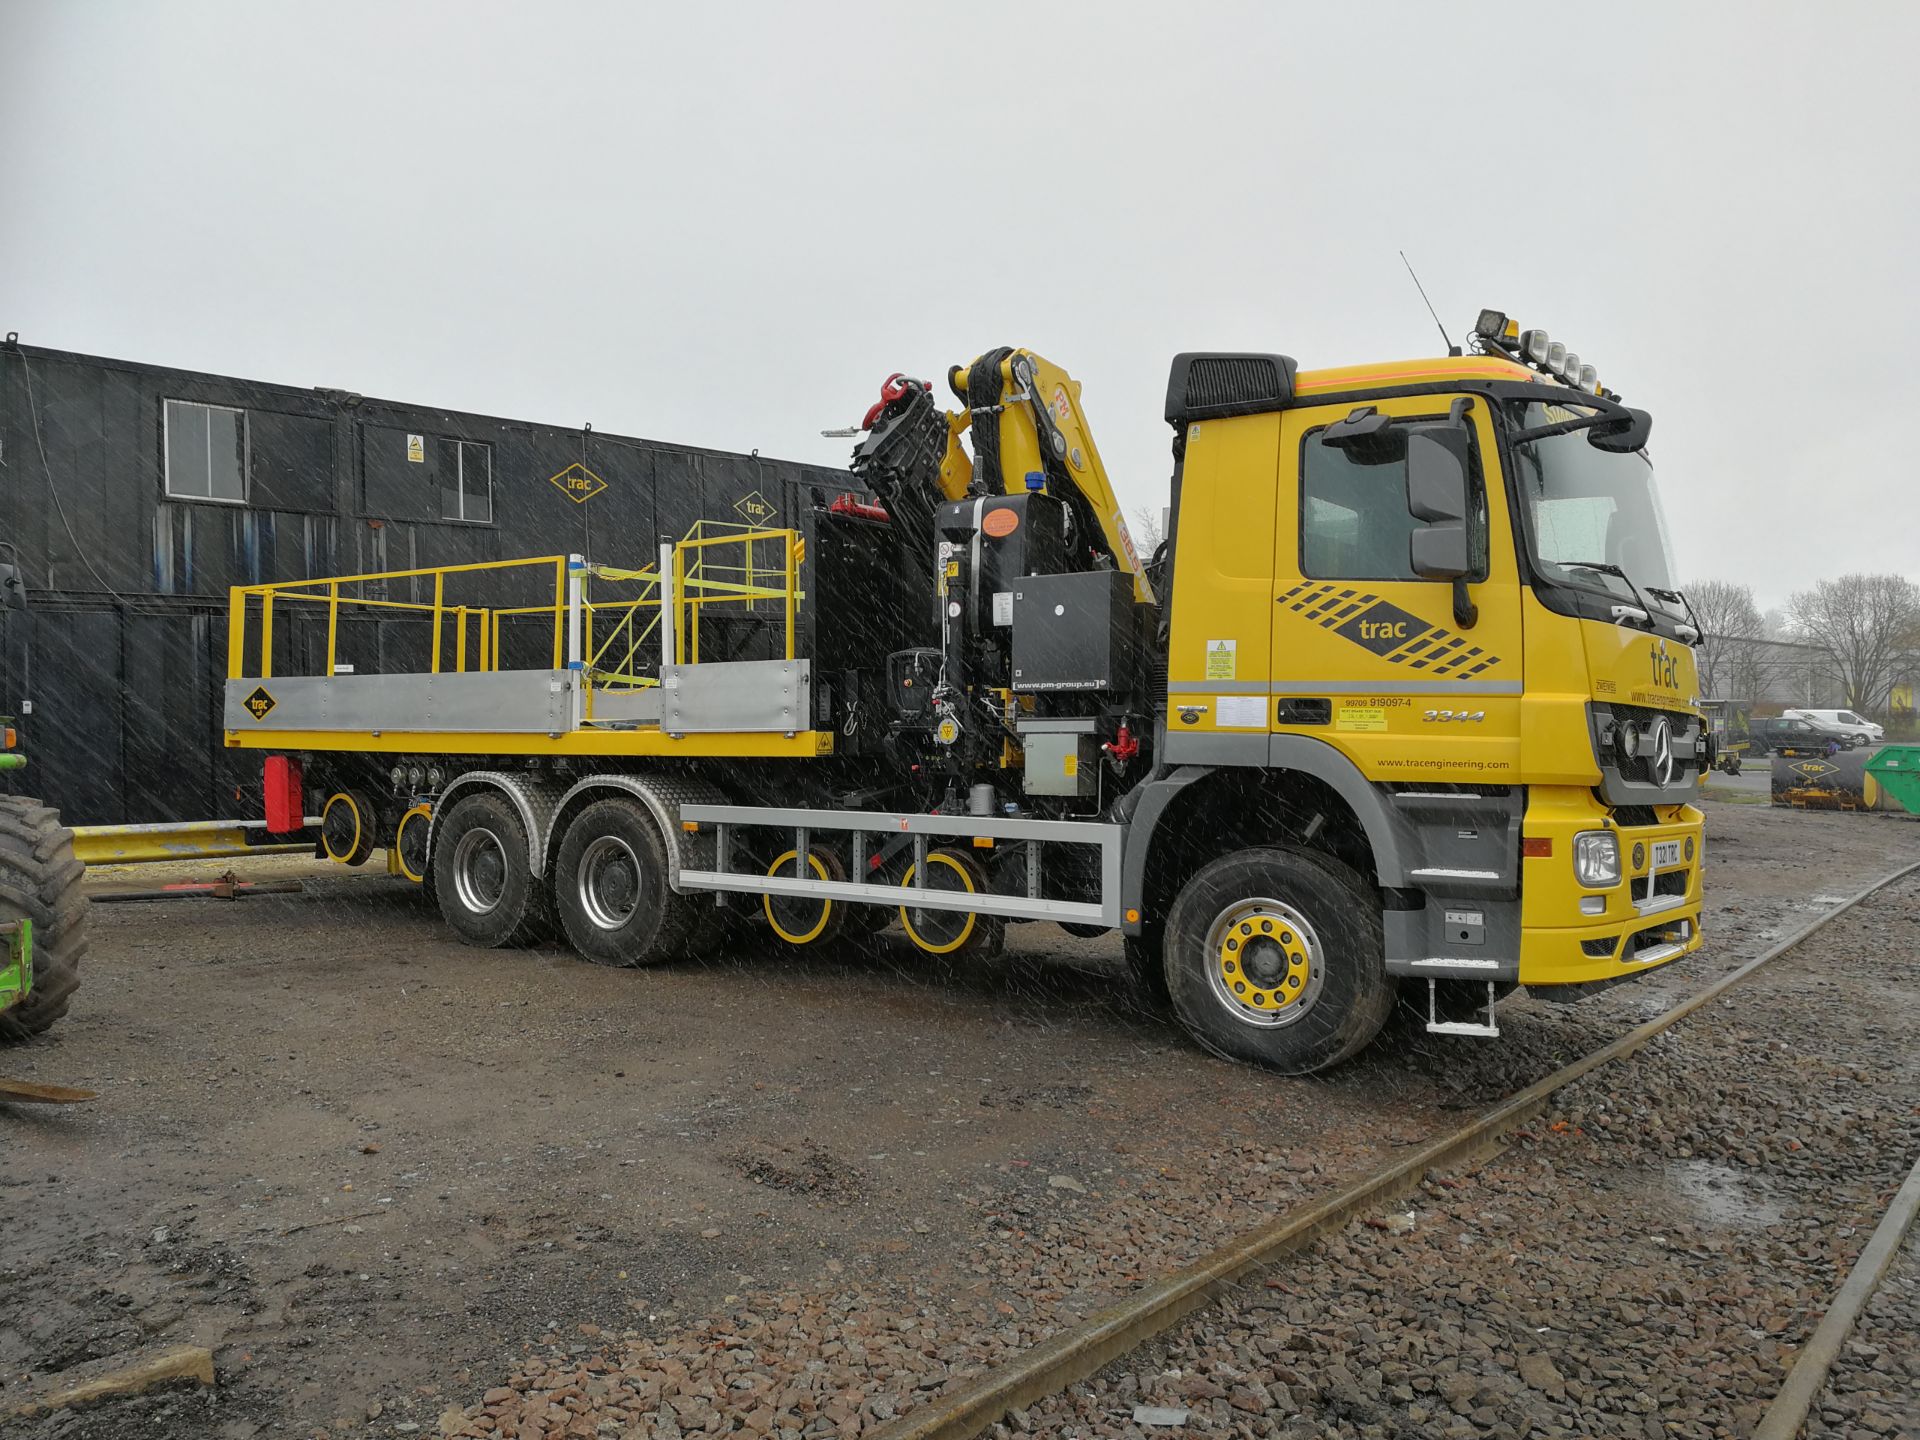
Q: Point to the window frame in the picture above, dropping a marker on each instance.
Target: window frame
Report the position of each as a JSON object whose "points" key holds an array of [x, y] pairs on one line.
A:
{"points": [[1476, 491], [167, 402], [460, 447]]}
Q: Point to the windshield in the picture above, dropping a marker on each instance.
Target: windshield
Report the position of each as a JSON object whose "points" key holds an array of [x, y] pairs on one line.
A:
{"points": [[1591, 506]]}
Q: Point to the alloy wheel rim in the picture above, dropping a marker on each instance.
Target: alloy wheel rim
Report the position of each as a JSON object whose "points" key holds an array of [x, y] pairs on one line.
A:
{"points": [[1265, 964]]}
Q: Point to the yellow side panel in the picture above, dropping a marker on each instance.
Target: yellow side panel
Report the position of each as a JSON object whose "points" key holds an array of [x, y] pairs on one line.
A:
{"points": [[1556, 743], [1223, 605]]}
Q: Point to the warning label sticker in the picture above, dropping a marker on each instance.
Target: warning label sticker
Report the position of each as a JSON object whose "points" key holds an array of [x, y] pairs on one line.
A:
{"points": [[1360, 717], [259, 704], [1220, 659], [417, 449]]}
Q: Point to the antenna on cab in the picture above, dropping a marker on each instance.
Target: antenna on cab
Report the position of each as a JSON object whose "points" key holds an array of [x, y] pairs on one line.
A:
{"points": [[1452, 349]]}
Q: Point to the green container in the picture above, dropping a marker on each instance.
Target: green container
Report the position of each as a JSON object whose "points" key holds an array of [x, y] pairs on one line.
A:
{"points": [[1896, 770]]}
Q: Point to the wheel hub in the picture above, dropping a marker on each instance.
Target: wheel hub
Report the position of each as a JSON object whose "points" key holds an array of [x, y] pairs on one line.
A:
{"points": [[609, 882], [480, 871], [1266, 963]]}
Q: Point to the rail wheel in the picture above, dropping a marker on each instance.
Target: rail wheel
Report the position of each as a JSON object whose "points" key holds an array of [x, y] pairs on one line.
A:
{"points": [[951, 932], [483, 874], [349, 826], [805, 919], [410, 843], [611, 885], [40, 881], [1275, 956]]}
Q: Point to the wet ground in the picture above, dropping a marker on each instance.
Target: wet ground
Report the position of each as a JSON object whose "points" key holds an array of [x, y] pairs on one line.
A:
{"points": [[380, 1172]]}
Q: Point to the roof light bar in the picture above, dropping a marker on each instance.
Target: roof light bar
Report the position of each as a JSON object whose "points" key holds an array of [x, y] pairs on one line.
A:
{"points": [[1535, 348]]}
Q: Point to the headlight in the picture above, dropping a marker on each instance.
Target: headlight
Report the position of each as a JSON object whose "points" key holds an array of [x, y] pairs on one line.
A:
{"points": [[1596, 858]]}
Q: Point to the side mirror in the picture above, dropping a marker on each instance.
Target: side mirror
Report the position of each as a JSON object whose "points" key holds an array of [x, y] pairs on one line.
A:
{"points": [[1623, 435], [1437, 471], [13, 594]]}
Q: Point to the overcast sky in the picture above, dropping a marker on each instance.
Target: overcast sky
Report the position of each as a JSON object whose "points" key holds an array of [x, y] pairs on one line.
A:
{"points": [[724, 224]]}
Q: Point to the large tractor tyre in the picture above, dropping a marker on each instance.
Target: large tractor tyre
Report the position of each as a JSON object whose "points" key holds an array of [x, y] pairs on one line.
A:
{"points": [[952, 933], [483, 874], [611, 887], [1275, 956], [40, 881]]}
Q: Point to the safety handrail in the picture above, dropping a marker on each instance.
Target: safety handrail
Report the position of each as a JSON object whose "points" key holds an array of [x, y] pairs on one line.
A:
{"points": [[700, 577]]}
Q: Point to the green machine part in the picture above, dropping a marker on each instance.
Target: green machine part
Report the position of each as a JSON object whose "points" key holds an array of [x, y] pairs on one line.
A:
{"points": [[16, 968], [1896, 770]]}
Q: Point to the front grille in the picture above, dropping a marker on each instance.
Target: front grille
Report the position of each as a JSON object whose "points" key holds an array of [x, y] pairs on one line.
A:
{"points": [[1631, 817], [1599, 949], [1667, 882]]}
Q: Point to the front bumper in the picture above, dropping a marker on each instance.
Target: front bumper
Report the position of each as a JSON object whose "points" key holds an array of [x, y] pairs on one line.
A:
{"points": [[1650, 918]]}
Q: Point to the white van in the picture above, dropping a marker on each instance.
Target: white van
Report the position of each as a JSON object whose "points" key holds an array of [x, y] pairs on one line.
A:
{"points": [[1858, 728]]}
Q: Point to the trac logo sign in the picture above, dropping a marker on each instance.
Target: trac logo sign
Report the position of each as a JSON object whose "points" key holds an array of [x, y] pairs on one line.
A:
{"points": [[755, 509], [1381, 628], [1666, 667], [578, 483], [259, 703], [1395, 635]]}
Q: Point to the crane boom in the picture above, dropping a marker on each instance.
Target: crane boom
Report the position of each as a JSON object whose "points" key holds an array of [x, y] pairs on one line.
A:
{"points": [[1024, 412]]}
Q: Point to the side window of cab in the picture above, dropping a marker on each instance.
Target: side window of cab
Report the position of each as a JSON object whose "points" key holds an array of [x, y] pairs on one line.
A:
{"points": [[1354, 521]]}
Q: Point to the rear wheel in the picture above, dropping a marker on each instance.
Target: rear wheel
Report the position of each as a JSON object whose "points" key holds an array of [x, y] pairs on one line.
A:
{"points": [[483, 874], [1275, 956], [611, 886], [40, 881], [951, 932]]}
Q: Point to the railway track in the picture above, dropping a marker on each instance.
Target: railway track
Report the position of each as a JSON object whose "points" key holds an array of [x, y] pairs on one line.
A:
{"points": [[1086, 1348]]}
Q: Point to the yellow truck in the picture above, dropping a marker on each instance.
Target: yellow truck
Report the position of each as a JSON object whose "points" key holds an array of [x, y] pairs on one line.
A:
{"points": [[1404, 708]]}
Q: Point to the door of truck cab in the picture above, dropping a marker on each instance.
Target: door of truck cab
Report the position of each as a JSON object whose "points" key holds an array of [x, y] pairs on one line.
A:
{"points": [[1366, 654]]}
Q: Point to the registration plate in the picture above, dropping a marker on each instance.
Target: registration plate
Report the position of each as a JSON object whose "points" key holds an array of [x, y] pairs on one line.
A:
{"points": [[1666, 854]]}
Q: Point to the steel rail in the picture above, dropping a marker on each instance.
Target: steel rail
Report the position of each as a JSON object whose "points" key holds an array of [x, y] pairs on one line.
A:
{"points": [[1083, 1349], [1814, 1362]]}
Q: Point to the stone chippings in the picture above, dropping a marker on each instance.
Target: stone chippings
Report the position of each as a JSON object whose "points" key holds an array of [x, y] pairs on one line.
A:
{"points": [[1877, 1376], [1643, 1261]]}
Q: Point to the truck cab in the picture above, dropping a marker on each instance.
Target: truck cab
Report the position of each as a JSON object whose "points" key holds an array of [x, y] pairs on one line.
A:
{"points": [[1428, 610]]}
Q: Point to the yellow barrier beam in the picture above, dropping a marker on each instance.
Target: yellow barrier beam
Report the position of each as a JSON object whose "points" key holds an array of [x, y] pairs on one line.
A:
{"points": [[183, 840]]}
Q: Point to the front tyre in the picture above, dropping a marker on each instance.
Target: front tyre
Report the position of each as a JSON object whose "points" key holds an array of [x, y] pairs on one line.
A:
{"points": [[483, 874], [40, 880], [1276, 957]]}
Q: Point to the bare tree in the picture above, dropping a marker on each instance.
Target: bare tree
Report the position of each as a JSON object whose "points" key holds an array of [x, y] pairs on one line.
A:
{"points": [[1736, 660], [1866, 622], [1148, 530]]}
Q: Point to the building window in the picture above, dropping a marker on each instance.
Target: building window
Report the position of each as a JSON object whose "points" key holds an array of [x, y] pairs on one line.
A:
{"points": [[206, 452], [1354, 521], [466, 481]]}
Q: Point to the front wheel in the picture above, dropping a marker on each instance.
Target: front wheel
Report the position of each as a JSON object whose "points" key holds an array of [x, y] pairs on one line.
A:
{"points": [[1276, 956]]}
